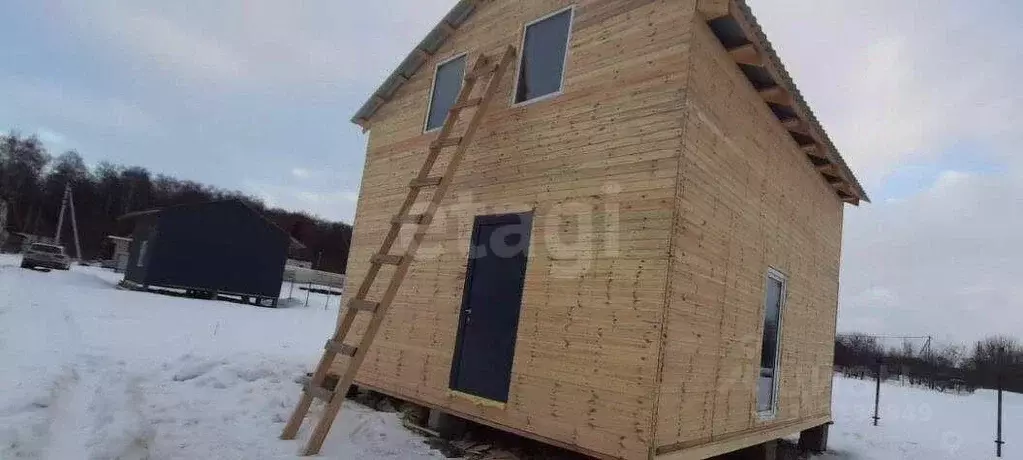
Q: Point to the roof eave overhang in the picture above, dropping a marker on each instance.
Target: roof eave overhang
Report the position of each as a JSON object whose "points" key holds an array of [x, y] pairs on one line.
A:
{"points": [[737, 29], [733, 23], [415, 59]]}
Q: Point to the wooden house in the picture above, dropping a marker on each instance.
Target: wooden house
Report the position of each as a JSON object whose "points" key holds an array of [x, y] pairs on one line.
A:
{"points": [[639, 255]]}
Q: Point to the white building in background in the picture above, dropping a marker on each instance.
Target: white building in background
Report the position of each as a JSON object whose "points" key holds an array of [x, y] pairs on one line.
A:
{"points": [[119, 257]]}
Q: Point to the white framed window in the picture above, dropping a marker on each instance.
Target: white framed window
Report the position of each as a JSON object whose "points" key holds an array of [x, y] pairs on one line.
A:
{"points": [[770, 351], [447, 83], [544, 56], [142, 254]]}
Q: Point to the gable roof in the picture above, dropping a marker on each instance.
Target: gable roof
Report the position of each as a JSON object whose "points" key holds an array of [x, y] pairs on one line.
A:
{"points": [[293, 242], [739, 23], [749, 30], [436, 38]]}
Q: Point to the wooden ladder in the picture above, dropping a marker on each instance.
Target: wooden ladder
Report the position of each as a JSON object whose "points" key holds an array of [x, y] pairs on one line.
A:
{"points": [[483, 67]]}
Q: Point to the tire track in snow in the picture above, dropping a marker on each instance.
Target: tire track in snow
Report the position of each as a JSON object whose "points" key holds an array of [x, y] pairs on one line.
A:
{"points": [[63, 422], [206, 395], [65, 403], [100, 415], [43, 336]]}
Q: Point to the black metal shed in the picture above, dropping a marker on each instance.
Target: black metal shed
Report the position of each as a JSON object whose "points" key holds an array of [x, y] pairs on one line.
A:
{"points": [[219, 247]]}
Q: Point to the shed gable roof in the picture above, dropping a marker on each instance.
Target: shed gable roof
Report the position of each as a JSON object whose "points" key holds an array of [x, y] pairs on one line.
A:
{"points": [[736, 27], [293, 242]]}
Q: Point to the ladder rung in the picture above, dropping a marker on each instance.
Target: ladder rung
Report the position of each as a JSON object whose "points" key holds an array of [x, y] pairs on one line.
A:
{"points": [[449, 142], [468, 103], [387, 259], [363, 305], [427, 182], [415, 219], [340, 348], [494, 68], [318, 392]]}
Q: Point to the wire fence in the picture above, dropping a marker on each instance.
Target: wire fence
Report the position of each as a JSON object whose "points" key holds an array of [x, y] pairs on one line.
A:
{"points": [[995, 363], [308, 281]]}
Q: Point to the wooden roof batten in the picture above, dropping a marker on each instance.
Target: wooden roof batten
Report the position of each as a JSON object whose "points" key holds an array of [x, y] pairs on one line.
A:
{"points": [[777, 95], [747, 54], [753, 49]]}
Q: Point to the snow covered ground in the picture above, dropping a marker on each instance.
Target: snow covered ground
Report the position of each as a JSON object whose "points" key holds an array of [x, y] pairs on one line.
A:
{"points": [[919, 424], [91, 372]]}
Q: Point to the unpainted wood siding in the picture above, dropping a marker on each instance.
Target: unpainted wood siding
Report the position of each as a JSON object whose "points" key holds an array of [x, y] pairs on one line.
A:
{"points": [[597, 164], [748, 200]]}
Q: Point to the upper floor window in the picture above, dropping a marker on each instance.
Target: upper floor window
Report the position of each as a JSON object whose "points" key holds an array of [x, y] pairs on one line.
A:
{"points": [[447, 83], [544, 52]]}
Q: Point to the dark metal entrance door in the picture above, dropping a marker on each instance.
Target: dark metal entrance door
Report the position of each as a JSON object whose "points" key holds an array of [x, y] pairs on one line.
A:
{"points": [[491, 302]]}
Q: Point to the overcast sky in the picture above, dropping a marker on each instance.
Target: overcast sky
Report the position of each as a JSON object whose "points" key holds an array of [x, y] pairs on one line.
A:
{"points": [[922, 99]]}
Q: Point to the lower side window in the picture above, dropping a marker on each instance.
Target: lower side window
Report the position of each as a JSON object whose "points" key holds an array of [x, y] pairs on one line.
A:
{"points": [[767, 383]]}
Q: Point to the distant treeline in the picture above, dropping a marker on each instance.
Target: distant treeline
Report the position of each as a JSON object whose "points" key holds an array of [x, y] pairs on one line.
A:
{"points": [[945, 367], [32, 182]]}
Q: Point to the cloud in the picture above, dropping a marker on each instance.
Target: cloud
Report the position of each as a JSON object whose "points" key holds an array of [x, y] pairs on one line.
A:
{"points": [[171, 46], [246, 44], [51, 137], [336, 205], [895, 82], [899, 85], [50, 105], [300, 173], [944, 262]]}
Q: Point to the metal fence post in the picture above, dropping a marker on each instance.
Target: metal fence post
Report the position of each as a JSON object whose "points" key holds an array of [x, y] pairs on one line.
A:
{"points": [[877, 392], [1001, 365]]}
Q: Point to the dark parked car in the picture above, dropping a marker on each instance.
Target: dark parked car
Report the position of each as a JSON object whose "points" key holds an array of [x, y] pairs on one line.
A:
{"points": [[45, 255]]}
